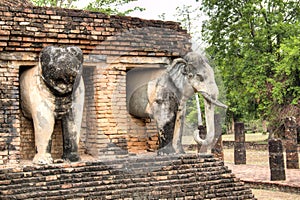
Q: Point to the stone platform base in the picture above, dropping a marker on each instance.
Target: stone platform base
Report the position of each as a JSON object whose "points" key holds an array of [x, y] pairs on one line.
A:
{"points": [[148, 177]]}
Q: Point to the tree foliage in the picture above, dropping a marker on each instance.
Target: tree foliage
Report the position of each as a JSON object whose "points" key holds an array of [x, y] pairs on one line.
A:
{"points": [[55, 3], [255, 44], [110, 7], [189, 17], [287, 71]]}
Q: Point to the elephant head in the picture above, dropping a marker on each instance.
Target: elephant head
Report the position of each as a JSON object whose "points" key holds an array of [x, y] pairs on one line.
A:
{"points": [[61, 68], [201, 79]]}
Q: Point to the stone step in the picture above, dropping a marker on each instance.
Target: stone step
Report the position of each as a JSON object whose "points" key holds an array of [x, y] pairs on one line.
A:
{"points": [[110, 187], [114, 176], [150, 177]]}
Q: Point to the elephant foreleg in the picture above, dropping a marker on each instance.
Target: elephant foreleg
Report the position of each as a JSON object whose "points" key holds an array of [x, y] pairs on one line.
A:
{"points": [[71, 124], [178, 129], [43, 128], [70, 140], [165, 138]]}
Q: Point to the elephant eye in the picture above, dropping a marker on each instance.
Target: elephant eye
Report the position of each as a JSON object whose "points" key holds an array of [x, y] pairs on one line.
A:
{"points": [[159, 101], [200, 77]]}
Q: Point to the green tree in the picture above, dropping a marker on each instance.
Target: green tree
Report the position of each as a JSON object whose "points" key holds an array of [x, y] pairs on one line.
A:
{"points": [[111, 7], [190, 18], [246, 40], [55, 3], [286, 88], [286, 84]]}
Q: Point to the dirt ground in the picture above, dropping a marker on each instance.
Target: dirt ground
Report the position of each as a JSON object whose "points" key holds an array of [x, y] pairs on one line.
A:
{"points": [[274, 195]]}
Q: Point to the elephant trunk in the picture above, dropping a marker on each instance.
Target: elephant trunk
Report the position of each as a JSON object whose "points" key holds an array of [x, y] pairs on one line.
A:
{"points": [[210, 127], [210, 104]]}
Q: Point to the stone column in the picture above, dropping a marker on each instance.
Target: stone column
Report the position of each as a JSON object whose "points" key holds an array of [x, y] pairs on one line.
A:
{"points": [[276, 160], [292, 159], [239, 144], [217, 151]]}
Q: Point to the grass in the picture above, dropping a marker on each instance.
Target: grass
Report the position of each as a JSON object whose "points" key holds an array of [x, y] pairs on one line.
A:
{"points": [[250, 137], [259, 138], [254, 157]]}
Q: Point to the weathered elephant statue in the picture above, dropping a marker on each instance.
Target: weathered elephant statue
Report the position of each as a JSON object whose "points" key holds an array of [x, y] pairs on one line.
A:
{"points": [[162, 94], [52, 90]]}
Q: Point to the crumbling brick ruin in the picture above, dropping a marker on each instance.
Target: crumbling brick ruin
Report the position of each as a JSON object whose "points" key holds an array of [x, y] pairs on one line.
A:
{"points": [[112, 45]]}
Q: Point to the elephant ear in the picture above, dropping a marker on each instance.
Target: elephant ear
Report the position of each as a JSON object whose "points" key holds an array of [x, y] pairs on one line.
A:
{"points": [[77, 52], [178, 63], [45, 57]]}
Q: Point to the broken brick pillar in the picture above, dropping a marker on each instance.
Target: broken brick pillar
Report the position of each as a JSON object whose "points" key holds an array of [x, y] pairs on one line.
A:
{"points": [[202, 133], [276, 161], [239, 144], [291, 146]]}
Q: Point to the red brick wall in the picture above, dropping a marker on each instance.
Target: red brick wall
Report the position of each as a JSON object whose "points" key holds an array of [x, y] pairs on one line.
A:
{"points": [[30, 29]]}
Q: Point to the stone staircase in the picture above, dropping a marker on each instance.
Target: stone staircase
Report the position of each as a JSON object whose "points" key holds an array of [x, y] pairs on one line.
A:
{"points": [[138, 177]]}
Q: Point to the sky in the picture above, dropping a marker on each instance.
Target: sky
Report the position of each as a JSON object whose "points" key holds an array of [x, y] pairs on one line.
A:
{"points": [[154, 8]]}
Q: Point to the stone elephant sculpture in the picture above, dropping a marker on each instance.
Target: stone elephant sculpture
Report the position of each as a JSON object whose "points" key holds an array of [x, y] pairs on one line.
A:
{"points": [[54, 89], [162, 94]]}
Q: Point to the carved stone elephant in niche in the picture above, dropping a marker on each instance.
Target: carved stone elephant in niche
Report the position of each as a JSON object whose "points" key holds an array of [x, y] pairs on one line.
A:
{"points": [[54, 89], [162, 94]]}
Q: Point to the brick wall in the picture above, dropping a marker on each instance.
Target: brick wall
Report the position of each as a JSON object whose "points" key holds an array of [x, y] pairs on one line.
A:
{"points": [[30, 29], [9, 113], [112, 45]]}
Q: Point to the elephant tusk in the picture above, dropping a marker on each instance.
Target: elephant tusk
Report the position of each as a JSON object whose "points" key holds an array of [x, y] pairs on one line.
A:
{"points": [[213, 101]]}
